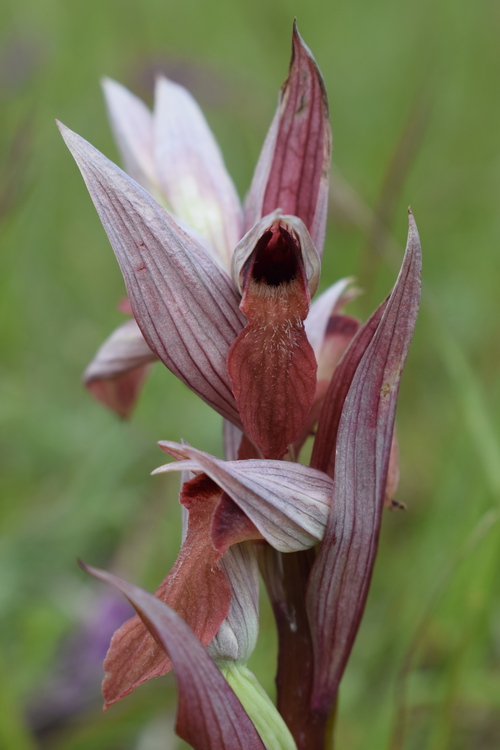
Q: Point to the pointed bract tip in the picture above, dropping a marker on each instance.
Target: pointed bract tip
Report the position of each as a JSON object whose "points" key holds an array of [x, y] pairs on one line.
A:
{"points": [[107, 81], [297, 39], [167, 468], [95, 572], [68, 135], [109, 86], [413, 234], [162, 80], [82, 565], [298, 42]]}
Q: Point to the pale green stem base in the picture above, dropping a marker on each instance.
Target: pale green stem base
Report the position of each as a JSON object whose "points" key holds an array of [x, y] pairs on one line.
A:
{"points": [[272, 729]]}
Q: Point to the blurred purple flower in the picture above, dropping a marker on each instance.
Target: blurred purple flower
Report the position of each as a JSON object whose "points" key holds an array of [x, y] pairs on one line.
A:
{"points": [[72, 684]]}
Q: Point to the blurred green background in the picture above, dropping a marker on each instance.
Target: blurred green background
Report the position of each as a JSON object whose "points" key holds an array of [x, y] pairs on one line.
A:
{"points": [[413, 90]]}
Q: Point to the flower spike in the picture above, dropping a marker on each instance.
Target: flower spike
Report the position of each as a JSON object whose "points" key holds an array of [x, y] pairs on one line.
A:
{"points": [[222, 296]]}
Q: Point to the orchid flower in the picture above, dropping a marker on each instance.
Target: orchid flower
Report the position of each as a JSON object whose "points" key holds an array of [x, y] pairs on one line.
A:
{"points": [[222, 296], [172, 153]]}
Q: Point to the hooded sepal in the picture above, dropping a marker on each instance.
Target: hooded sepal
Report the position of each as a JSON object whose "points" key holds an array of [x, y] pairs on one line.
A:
{"points": [[209, 715], [292, 172], [287, 502], [196, 588], [339, 582], [117, 372], [286, 252], [183, 302], [271, 364]]}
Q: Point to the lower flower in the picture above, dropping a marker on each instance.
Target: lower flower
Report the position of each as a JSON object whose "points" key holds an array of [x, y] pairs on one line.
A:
{"points": [[214, 580]]}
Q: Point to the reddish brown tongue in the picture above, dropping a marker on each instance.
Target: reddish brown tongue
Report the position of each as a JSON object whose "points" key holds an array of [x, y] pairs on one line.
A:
{"points": [[271, 364]]}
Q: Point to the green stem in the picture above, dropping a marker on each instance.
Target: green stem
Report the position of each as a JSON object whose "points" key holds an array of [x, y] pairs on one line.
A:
{"points": [[272, 729]]}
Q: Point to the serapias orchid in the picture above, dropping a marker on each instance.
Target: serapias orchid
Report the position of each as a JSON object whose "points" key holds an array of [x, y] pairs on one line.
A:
{"points": [[231, 316], [174, 155]]}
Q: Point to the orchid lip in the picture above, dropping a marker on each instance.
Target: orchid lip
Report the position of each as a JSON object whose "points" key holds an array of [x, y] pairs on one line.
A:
{"points": [[271, 364]]}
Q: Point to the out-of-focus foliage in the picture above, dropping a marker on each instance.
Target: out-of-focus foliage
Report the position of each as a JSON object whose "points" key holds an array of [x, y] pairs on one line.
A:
{"points": [[413, 91]]}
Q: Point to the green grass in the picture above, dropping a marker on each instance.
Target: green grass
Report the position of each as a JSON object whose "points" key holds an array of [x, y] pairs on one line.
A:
{"points": [[413, 95]]}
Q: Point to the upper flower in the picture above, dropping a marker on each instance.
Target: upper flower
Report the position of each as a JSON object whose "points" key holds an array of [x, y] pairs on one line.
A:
{"points": [[227, 340]]}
